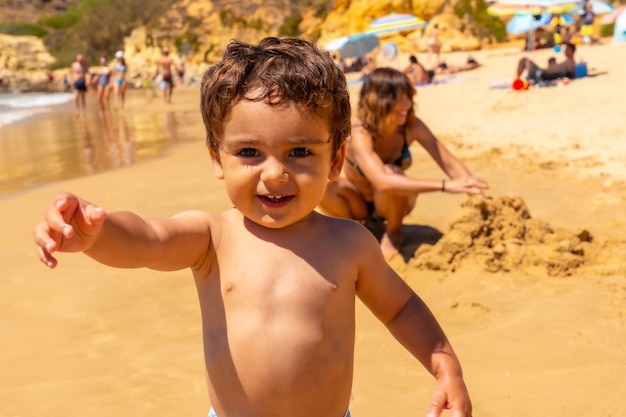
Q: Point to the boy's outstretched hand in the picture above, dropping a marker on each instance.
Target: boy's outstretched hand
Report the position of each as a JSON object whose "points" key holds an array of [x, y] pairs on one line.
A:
{"points": [[71, 225], [450, 393]]}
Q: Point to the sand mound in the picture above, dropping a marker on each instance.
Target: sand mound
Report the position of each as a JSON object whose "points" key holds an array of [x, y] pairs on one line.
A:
{"points": [[501, 235]]}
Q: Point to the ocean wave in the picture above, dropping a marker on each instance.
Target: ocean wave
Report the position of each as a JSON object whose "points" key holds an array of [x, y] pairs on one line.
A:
{"points": [[30, 100], [8, 117], [15, 107]]}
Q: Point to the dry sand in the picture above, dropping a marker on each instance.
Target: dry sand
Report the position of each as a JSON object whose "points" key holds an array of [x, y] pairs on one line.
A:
{"points": [[530, 289]]}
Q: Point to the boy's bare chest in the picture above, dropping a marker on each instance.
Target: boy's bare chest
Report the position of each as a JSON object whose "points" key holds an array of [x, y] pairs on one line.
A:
{"points": [[274, 275]]}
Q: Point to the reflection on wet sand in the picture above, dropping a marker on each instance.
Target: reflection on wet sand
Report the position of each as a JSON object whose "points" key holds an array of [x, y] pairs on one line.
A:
{"points": [[117, 139], [58, 146], [170, 124], [86, 146]]}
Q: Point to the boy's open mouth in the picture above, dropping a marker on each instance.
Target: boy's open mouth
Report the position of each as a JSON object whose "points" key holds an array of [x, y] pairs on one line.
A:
{"points": [[275, 198]]}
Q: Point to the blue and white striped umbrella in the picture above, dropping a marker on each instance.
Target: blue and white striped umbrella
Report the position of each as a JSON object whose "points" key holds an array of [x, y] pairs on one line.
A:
{"points": [[525, 22], [395, 22], [353, 46]]}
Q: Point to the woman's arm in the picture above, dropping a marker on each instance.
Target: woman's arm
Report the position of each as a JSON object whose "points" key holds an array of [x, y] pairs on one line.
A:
{"points": [[449, 164], [387, 179]]}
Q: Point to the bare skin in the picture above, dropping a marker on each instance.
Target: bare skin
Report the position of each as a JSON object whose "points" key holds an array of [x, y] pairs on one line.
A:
{"points": [[165, 66], [103, 91], [417, 73], [566, 67], [276, 281], [79, 70], [392, 192], [119, 83]]}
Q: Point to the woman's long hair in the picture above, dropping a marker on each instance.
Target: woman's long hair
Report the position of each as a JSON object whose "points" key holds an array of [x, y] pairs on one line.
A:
{"points": [[381, 88]]}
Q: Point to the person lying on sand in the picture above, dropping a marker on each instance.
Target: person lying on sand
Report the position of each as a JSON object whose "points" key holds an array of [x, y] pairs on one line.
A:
{"points": [[565, 69], [417, 73], [470, 64]]}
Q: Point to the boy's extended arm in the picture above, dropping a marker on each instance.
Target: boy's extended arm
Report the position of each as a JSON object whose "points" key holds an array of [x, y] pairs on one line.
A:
{"points": [[411, 322], [121, 239]]}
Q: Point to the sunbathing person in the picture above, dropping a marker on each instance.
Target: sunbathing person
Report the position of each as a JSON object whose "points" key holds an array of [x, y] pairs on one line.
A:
{"points": [[565, 69], [470, 64], [551, 63], [417, 73]]}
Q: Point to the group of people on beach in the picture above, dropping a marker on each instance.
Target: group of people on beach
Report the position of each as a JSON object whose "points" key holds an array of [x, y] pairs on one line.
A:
{"points": [[561, 33], [104, 79], [302, 180], [114, 77]]}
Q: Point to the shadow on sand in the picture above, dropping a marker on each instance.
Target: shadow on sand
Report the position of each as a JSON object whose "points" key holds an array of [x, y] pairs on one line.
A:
{"points": [[415, 235]]}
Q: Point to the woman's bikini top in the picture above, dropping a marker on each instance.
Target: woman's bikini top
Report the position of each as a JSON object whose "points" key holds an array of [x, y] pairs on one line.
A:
{"points": [[403, 161]]}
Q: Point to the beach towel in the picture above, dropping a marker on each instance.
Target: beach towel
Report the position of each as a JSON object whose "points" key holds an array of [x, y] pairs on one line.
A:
{"points": [[507, 84], [503, 84], [444, 80]]}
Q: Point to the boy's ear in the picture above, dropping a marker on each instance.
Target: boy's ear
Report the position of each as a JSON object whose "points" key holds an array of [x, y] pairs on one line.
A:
{"points": [[337, 163], [217, 166]]}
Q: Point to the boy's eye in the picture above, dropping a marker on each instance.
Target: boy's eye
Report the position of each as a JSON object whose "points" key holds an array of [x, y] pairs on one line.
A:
{"points": [[301, 152], [248, 152]]}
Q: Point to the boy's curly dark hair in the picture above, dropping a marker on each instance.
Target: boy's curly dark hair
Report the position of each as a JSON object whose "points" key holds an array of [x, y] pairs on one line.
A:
{"points": [[276, 71]]}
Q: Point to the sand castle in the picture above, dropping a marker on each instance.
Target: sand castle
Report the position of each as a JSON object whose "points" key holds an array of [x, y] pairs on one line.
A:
{"points": [[501, 235]]}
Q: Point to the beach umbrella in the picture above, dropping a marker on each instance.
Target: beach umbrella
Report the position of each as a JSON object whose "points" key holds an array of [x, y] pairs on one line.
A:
{"points": [[562, 19], [533, 7], [353, 46], [395, 22], [525, 22], [598, 7], [609, 18], [530, 7]]}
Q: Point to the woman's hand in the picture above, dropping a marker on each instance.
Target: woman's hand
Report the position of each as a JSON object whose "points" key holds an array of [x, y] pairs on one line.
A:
{"points": [[470, 185]]}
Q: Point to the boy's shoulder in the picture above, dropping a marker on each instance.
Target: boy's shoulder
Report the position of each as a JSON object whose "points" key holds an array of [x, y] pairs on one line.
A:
{"points": [[350, 231]]}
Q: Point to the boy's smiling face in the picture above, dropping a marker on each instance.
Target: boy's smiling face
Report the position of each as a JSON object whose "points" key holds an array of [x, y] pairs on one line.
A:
{"points": [[276, 162]]}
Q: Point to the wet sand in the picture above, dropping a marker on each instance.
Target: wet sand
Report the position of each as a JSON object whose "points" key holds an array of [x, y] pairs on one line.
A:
{"points": [[54, 144]]}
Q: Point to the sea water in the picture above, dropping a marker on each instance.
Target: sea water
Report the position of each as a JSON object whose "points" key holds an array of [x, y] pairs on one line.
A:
{"points": [[18, 106]]}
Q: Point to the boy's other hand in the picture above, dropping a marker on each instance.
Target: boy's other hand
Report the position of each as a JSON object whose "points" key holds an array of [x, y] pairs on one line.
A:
{"points": [[450, 393]]}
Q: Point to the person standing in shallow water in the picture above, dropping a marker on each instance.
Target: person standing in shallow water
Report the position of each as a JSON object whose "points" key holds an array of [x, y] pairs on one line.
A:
{"points": [[79, 71], [276, 280], [165, 65], [103, 88], [119, 80], [374, 184]]}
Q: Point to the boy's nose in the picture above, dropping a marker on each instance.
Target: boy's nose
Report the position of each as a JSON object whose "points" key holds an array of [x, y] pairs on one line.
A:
{"points": [[274, 171]]}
